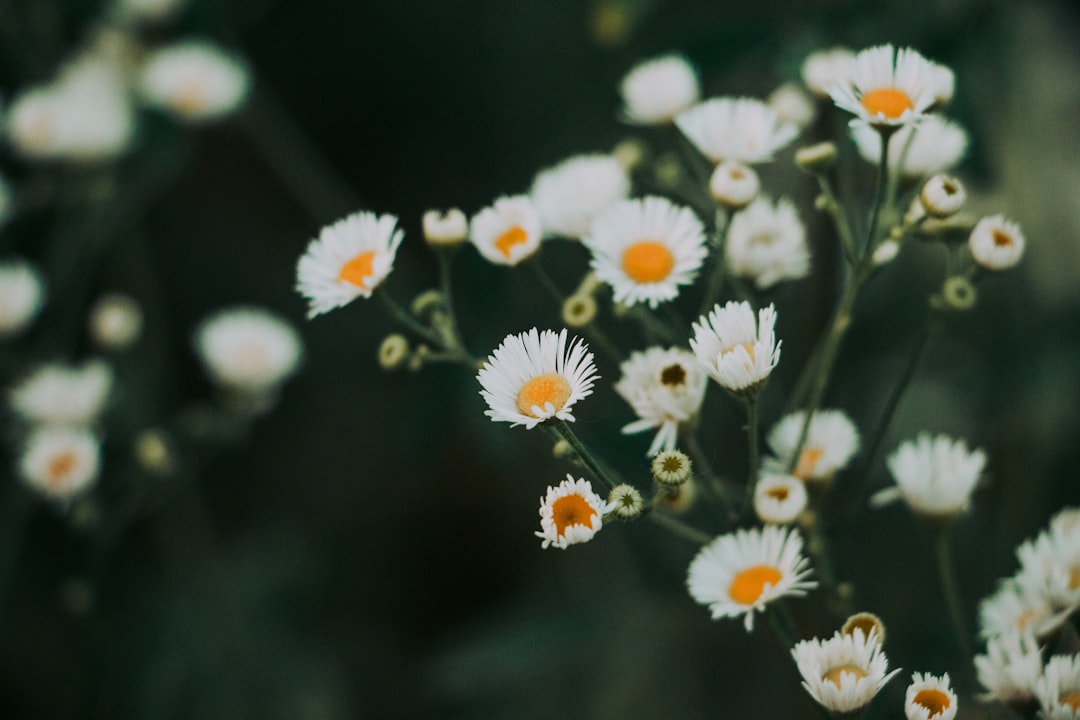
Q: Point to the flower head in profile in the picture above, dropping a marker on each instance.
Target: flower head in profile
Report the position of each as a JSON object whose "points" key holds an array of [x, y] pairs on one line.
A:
{"points": [[1058, 690], [58, 394], [740, 129], [647, 249], [665, 387], [739, 573], [572, 194], [570, 513], [1010, 667], [1049, 569], [248, 348], [534, 376], [930, 146], [194, 81], [1018, 606], [887, 87], [507, 232], [656, 91], [766, 243], [935, 476], [349, 259], [831, 441], [844, 673], [22, 294], [930, 697], [735, 350], [61, 462]]}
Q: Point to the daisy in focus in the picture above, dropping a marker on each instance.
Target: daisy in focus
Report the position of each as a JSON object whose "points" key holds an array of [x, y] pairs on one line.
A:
{"points": [[57, 394], [736, 351], [349, 259], [929, 697], [572, 194], [887, 87], [656, 91], [744, 130], [194, 81], [570, 513], [61, 463], [741, 572], [844, 673], [534, 376], [507, 232], [647, 249], [666, 388], [934, 476], [248, 349], [831, 441], [766, 243]]}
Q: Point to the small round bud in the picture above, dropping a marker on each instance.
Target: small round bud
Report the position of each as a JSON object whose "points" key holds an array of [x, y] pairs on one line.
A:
{"points": [[734, 184], [562, 449], [816, 158], [426, 303], [671, 468], [668, 171], [996, 243], [115, 321], [393, 351], [886, 252], [629, 153], [822, 203], [445, 229], [625, 502], [867, 622], [958, 293], [152, 451], [942, 196], [779, 499], [579, 310]]}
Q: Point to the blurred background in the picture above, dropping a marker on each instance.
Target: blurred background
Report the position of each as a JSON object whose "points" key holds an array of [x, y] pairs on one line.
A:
{"points": [[366, 549]]}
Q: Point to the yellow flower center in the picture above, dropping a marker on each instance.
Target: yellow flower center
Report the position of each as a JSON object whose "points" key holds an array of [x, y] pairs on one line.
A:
{"points": [[888, 102], [1074, 578], [551, 388], [647, 261], [190, 98], [833, 674], [509, 239], [779, 493], [935, 701], [60, 466], [571, 510], [808, 460], [1070, 698], [1002, 239], [673, 376], [749, 584], [748, 346], [359, 269]]}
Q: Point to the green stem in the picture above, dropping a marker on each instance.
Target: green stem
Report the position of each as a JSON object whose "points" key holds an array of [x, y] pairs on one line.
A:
{"points": [[652, 325], [545, 281], [678, 528], [780, 629], [591, 462], [716, 277], [885, 132], [406, 318], [843, 227], [445, 255], [952, 595], [752, 449], [705, 471]]}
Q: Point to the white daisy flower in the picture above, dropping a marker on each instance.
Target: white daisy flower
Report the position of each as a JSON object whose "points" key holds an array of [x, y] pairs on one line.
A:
{"points": [[942, 196], [570, 513], [741, 572], [533, 377], [194, 80], [996, 243], [349, 259], [508, 231], [61, 462], [571, 195], [934, 476], [831, 441], [766, 243], [844, 673], [1009, 669], [1015, 607], [665, 387], [1050, 568], [22, 294], [656, 91], [115, 321], [1058, 690], [944, 84], [646, 249], [248, 349], [447, 228], [734, 184], [779, 499], [741, 129], [930, 697], [792, 105], [825, 68], [57, 394], [1065, 525], [928, 147], [734, 350], [887, 86]]}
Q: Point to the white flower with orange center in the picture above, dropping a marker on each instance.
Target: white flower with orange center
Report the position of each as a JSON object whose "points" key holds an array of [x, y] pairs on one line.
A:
{"points": [[534, 376], [831, 441], [349, 259], [887, 87], [779, 499], [1058, 690], [844, 673], [930, 697], [996, 243], [1050, 568], [741, 572], [572, 194], [647, 249], [656, 91], [1011, 666], [740, 129], [935, 476], [930, 146], [665, 387], [61, 462], [766, 243], [736, 351], [194, 80], [248, 348], [1015, 607], [508, 231], [570, 513], [57, 394], [22, 293]]}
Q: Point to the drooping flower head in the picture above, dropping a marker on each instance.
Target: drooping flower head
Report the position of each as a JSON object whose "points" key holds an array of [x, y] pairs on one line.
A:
{"points": [[844, 673], [665, 387], [741, 572], [533, 377], [736, 351], [572, 194], [349, 259], [647, 249], [740, 129], [887, 87], [570, 513]]}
